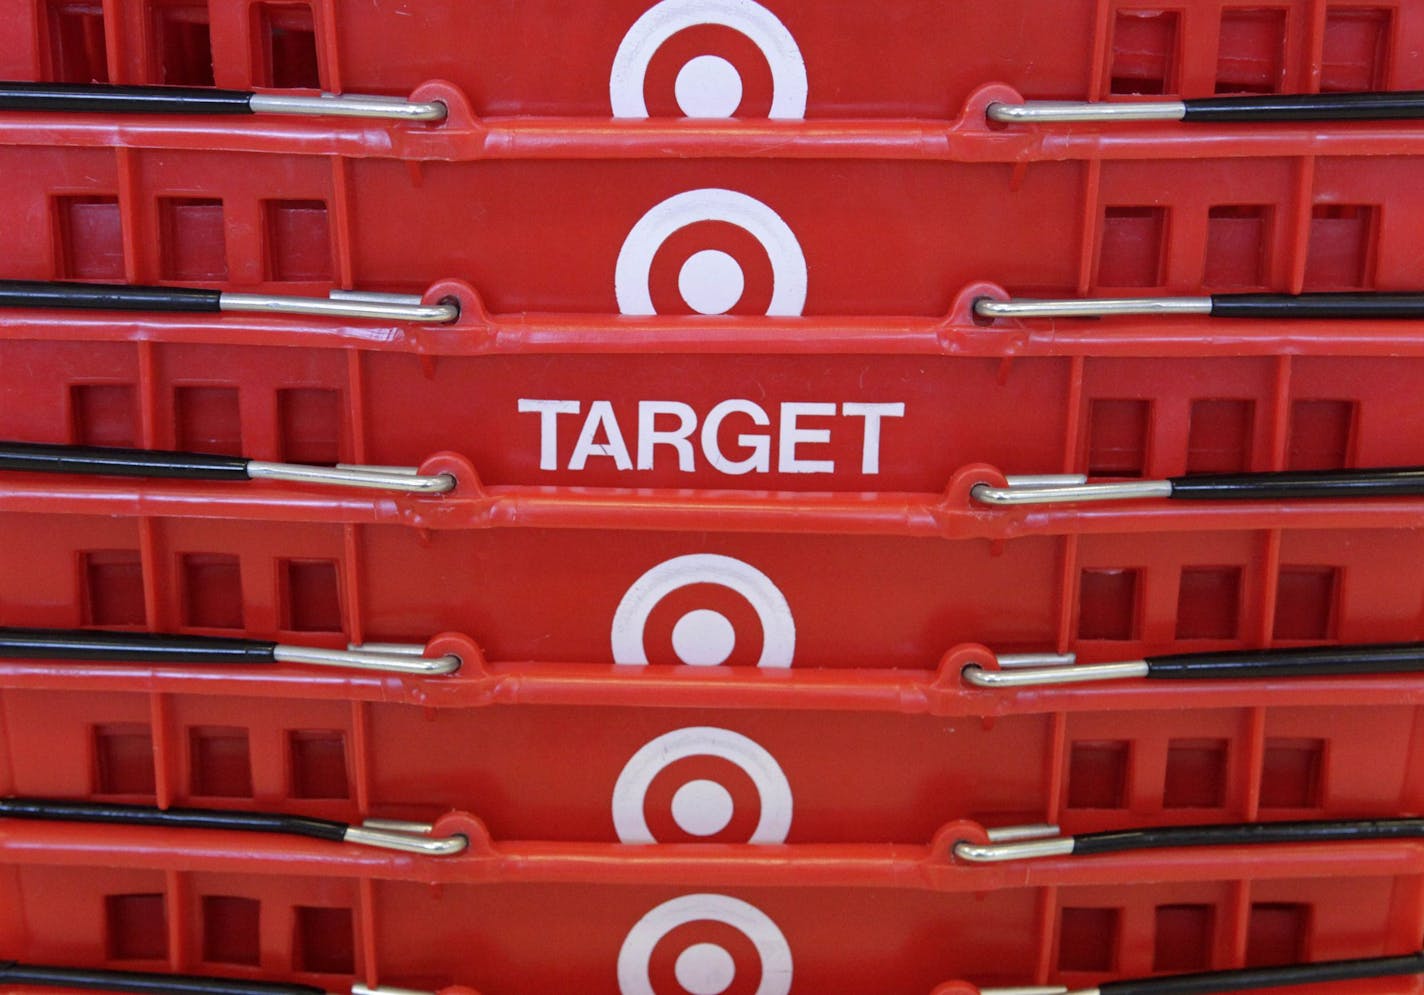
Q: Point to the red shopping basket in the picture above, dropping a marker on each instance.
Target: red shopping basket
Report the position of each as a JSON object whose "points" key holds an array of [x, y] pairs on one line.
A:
{"points": [[878, 404], [783, 61], [589, 753], [745, 238], [804, 918], [661, 577]]}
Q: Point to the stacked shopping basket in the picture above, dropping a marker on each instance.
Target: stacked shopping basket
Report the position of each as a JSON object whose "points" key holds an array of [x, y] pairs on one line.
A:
{"points": [[711, 496]]}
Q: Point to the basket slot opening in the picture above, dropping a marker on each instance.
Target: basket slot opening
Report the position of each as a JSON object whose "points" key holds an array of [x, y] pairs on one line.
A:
{"points": [[318, 758], [221, 761], [208, 420], [284, 53], [1358, 41], [1251, 54], [309, 419], [1133, 246], [136, 927], [1183, 938], [1145, 52], [312, 599], [212, 591], [1219, 439], [1342, 249], [1097, 774], [89, 241], [230, 930], [298, 240], [113, 587], [1108, 603], [1088, 939], [1196, 774], [1209, 603], [192, 238], [325, 941], [181, 52], [1322, 434], [1277, 933], [104, 414], [1238, 246], [78, 52], [1118, 431], [124, 760], [1307, 598], [1293, 774]]}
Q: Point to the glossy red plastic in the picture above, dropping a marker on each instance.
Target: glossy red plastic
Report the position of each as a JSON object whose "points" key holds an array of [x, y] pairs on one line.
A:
{"points": [[563, 752], [790, 918], [739, 237], [888, 405], [814, 580], [524, 78]]}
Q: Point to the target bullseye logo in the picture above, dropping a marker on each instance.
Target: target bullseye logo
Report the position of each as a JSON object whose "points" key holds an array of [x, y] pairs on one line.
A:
{"points": [[736, 782], [704, 944], [730, 58], [704, 636], [726, 248]]}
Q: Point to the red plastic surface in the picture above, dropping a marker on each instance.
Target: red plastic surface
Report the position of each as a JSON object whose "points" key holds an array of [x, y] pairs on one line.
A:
{"points": [[785, 59], [801, 919], [857, 582], [743, 237], [792, 406], [696, 765]]}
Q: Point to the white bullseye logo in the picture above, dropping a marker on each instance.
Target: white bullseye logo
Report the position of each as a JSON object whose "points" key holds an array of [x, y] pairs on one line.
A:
{"points": [[711, 281], [702, 807], [704, 637], [708, 86], [704, 968]]}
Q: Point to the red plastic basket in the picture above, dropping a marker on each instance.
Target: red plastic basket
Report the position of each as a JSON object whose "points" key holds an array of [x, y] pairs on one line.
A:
{"points": [[781, 60], [858, 581], [745, 237], [673, 758], [918, 61], [1146, 398], [899, 919]]}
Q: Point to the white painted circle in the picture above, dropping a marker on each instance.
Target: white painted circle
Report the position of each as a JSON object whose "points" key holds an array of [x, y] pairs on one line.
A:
{"points": [[705, 969], [701, 807], [711, 282], [630, 620], [708, 86], [636, 954], [663, 20], [632, 274], [703, 638]]}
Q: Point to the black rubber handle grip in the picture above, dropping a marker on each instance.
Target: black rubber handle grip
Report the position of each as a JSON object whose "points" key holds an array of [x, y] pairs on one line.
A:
{"points": [[142, 982], [1256, 978], [130, 647], [1308, 107], [108, 297], [103, 98], [1310, 661], [1340, 306], [1248, 834], [37, 457], [1394, 481], [58, 810]]}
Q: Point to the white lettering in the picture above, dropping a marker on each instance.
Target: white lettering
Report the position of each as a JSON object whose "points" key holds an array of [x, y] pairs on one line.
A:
{"points": [[600, 415], [760, 445], [792, 435], [872, 413], [549, 412], [649, 435]]}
